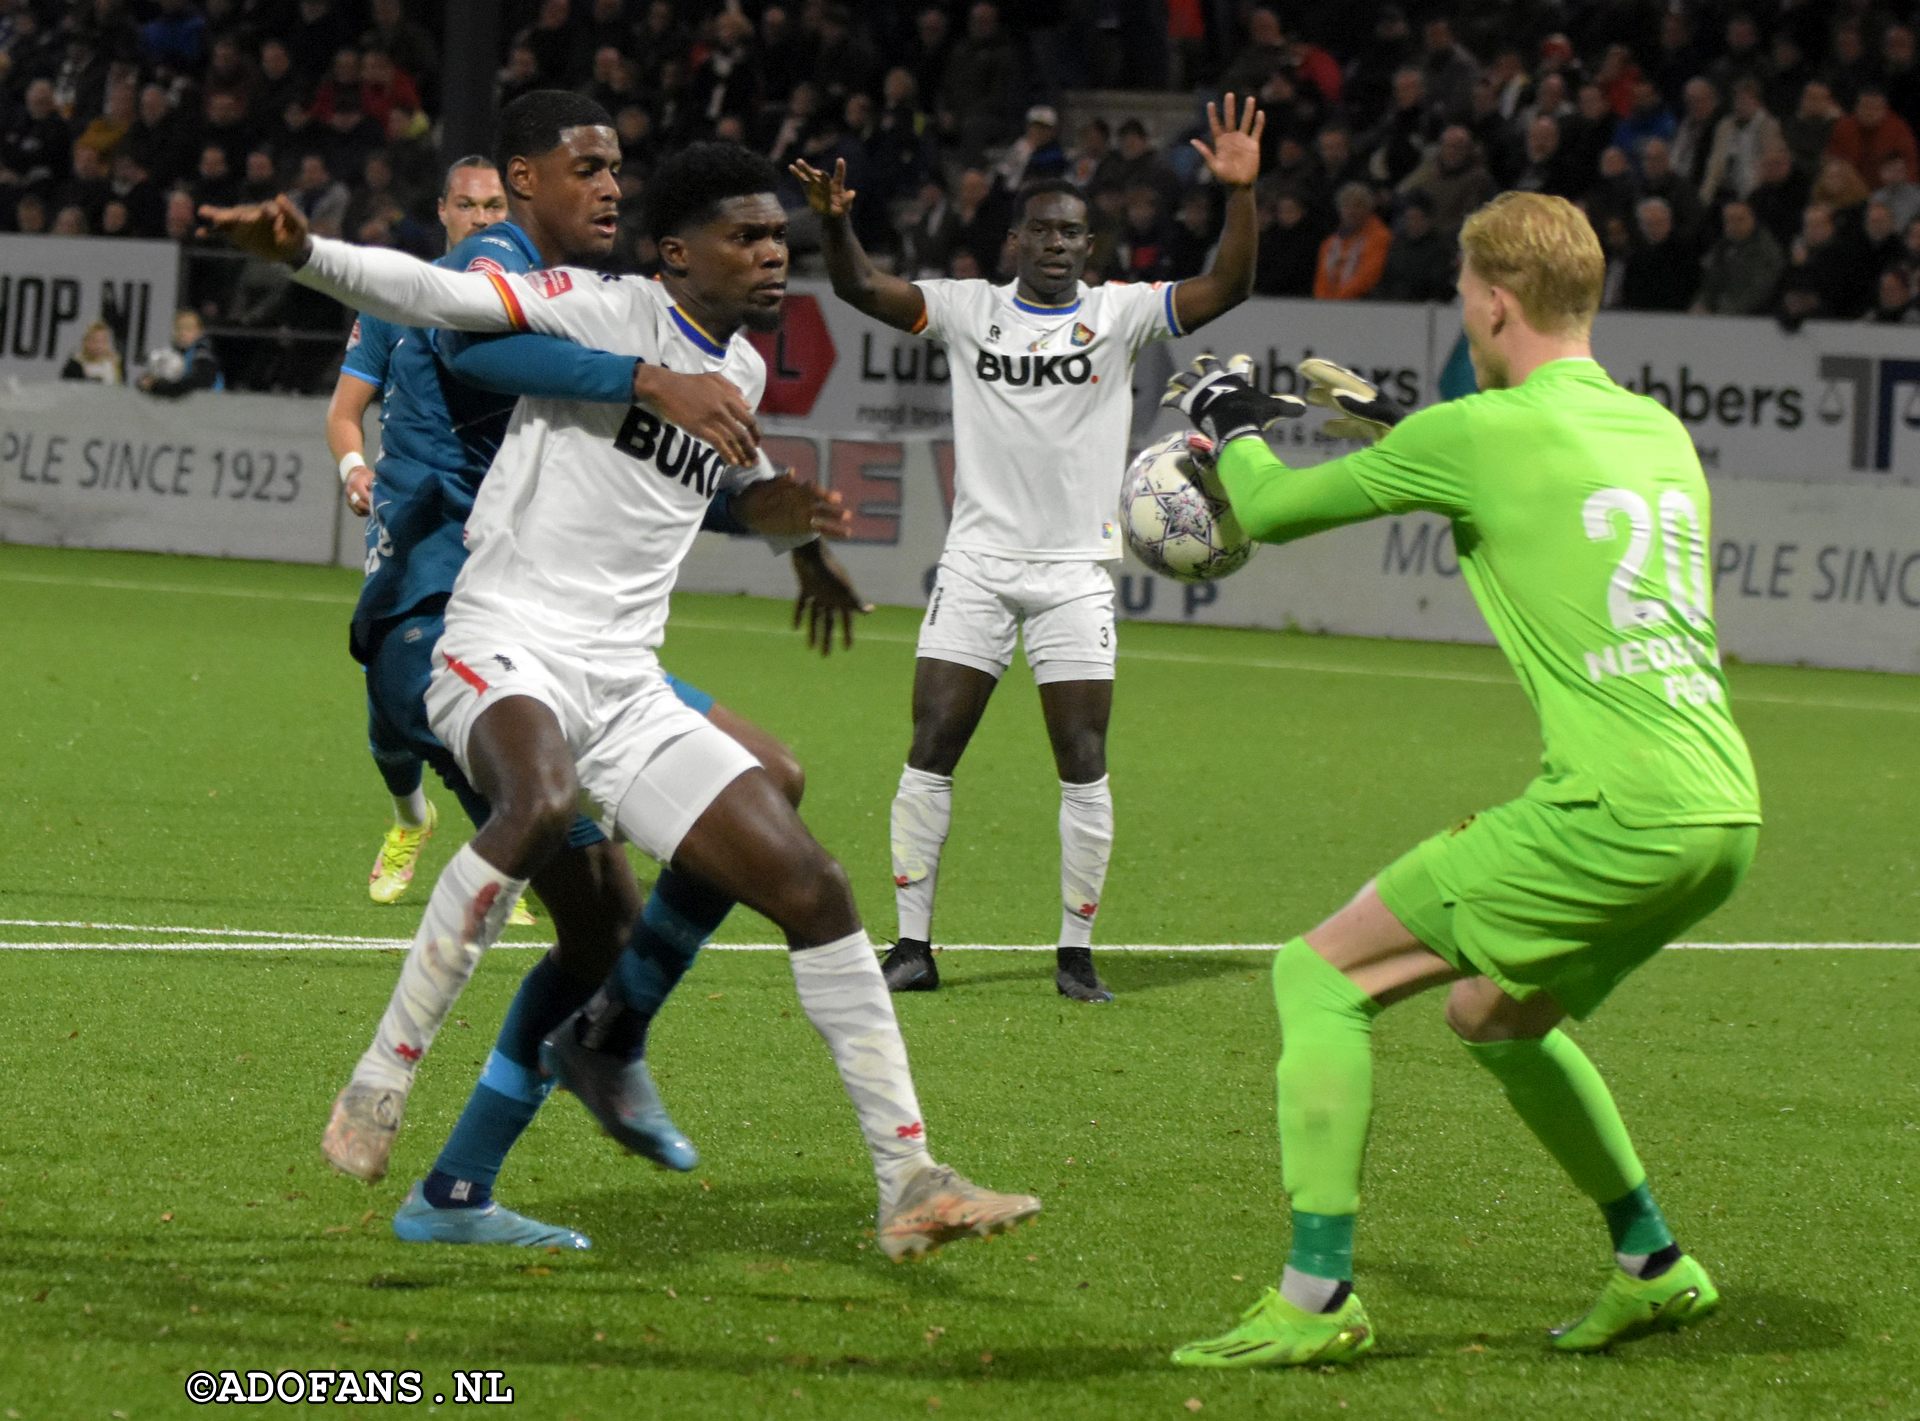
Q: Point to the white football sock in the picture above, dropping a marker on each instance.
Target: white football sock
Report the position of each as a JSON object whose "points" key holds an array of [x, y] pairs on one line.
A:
{"points": [[410, 810], [846, 999], [1086, 842], [922, 810], [1307, 1292], [464, 917]]}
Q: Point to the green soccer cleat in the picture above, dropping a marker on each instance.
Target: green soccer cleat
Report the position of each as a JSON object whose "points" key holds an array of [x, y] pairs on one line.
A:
{"points": [[417, 1221], [399, 852], [1631, 1308], [1275, 1333]]}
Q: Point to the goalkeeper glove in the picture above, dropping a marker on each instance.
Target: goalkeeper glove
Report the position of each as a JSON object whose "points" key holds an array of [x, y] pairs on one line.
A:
{"points": [[1363, 412], [1222, 401]]}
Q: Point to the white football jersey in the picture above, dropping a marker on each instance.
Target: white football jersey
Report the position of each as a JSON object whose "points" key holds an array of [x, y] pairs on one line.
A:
{"points": [[580, 527], [1042, 407]]}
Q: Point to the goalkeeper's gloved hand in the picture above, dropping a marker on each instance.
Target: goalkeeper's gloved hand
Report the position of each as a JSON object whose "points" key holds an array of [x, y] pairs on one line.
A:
{"points": [[1363, 412], [1222, 401]]}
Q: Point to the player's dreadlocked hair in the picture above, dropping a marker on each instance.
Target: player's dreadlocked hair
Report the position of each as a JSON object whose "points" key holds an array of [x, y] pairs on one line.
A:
{"points": [[689, 187], [532, 124]]}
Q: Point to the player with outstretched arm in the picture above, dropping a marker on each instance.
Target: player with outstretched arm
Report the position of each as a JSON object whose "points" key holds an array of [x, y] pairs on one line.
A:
{"points": [[547, 684], [1582, 520], [1042, 405], [445, 409]]}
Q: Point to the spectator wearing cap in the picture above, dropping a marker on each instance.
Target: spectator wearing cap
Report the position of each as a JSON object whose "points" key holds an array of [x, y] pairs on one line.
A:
{"points": [[1035, 154], [1420, 263], [1354, 256], [1662, 272], [1452, 179], [1741, 272], [1872, 133]]}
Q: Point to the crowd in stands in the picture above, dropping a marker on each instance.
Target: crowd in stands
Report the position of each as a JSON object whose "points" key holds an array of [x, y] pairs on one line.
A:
{"points": [[1733, 159]]}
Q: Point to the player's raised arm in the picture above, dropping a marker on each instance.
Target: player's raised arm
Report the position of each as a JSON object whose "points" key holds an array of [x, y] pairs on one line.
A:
{"points": [[856, 280], [1234, 161], [387, 284]]}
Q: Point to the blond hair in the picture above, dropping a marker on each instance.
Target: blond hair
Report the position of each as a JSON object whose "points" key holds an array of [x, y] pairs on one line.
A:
{"points": [[1544, 251]]}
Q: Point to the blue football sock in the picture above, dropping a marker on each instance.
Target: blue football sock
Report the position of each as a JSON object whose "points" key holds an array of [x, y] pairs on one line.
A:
{"points": [[509, 1092], [400, 769], [679, 917]]}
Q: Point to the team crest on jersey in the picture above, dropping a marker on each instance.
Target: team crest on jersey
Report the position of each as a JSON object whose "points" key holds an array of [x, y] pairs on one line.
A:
{"points": [[488, 265], [1082, 334], [993, 333], [551, 283], [353, 336]]}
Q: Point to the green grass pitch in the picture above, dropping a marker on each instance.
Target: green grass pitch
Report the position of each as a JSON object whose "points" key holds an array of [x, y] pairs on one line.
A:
{"points": [[184, 751]]}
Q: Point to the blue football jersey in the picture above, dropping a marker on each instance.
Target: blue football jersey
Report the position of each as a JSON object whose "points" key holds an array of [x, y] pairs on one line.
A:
{"points": [[437, 437]]}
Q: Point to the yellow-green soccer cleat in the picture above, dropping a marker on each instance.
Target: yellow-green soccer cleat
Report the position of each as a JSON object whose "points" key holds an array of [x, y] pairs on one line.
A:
{"points": [[399, 852], [522, 916], [1631, 1308], [1275, 1333]]}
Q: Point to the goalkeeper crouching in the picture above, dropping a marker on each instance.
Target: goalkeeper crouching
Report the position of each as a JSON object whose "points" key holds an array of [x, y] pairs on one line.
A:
{"points": [[1582, 522]]}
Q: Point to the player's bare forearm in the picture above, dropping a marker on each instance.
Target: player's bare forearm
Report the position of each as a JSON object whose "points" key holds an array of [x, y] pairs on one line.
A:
{"points": [[1229, 280], [1277, 504], [346, 412], [864, 286]]}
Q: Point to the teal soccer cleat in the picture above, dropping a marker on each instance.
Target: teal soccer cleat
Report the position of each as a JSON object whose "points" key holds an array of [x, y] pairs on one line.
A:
{"points": [[620, 1094], [417, 1221]]}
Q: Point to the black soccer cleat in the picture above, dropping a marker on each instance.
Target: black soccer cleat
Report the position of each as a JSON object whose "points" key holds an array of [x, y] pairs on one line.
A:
{"points": [[909, 967], [1073, 976]]}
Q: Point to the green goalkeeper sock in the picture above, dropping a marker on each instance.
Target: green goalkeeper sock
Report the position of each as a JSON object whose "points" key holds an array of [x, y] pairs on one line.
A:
{"points": [[1325, 1088], [1558, 1093]]}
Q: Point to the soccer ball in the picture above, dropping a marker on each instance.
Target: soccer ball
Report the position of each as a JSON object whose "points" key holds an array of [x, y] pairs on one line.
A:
{"points": [[166, 363], [1176, 515]]}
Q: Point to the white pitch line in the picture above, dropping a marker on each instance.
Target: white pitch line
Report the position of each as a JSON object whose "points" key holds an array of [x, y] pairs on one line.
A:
{"points": [[290, 943], [169, 928], [1174, 658]]}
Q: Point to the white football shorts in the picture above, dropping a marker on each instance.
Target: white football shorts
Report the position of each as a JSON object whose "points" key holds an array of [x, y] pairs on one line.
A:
{"points": [[648, 764], [1063, 611]]}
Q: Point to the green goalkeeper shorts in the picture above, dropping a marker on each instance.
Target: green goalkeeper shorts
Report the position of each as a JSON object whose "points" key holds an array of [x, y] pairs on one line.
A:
{"points": [[1562, 898]]}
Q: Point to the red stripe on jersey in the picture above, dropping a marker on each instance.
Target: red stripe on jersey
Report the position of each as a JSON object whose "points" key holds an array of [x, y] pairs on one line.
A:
{"points": [[505, 292], [467, 673]]}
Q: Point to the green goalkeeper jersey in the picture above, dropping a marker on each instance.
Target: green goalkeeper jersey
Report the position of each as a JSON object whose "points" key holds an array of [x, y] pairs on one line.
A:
{"points": [[1582, 522]]}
